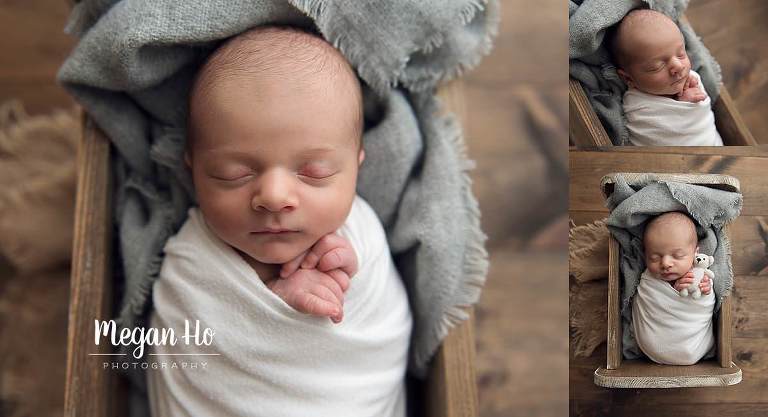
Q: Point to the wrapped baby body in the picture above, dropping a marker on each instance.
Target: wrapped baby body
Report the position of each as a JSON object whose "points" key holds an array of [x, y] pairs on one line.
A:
{"points": [[654, 120], [671, 329], [273, 360]]}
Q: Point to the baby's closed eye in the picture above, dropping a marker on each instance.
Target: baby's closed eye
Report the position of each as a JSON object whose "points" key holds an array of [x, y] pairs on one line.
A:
{"points": [[317, 171], [231, 174]]}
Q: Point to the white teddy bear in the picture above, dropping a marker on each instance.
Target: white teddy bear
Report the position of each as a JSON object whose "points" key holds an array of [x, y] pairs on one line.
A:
{"points": [[700, 268]]}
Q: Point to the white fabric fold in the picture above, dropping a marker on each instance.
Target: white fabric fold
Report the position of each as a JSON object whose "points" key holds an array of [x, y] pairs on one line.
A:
{"points": [[671, 329], [662, 121], [273, 360]]}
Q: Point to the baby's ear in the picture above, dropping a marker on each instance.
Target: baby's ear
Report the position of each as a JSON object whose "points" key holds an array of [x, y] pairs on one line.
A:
{"points": [[625, 77], [361, 157]]}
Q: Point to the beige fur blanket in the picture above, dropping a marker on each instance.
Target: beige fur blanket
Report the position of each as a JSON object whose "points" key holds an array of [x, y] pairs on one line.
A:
{"points": [[588, 289], [37, 186]]}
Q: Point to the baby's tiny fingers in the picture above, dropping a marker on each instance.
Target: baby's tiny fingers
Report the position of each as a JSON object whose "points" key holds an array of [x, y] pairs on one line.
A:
{"points": [[322, 302], [339, 258], [683, 283], [326, 282], [292, 266], [314, 304], [338, 318], [319, 249], [340, 277], [310, 261]]}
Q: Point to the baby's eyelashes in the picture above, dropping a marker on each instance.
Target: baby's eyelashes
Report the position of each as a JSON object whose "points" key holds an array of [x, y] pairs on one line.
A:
{"points": [[229, 173], [316, 171]]}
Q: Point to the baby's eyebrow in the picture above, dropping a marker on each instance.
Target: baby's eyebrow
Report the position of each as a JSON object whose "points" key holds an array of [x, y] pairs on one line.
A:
{"points": [[231, 156], [664, 55], [317, 151]]}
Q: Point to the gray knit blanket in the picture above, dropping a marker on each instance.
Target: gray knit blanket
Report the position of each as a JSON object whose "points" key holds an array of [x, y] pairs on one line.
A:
{"points": [[590, 62], [635, 200], [132, 69]]}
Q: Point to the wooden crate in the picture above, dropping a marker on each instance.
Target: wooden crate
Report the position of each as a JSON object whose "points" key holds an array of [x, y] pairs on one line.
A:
{"points": [[643, 373], [450, 389], [586, 130]]}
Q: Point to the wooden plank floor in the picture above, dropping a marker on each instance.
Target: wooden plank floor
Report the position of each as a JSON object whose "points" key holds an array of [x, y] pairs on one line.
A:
{"points": [[516, 131], [750, 262], [34, 45], [736, 34]]}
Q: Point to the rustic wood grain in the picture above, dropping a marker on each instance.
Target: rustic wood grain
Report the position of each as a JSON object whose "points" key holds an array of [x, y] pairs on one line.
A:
{"points": [[750, 356], [88, 387], [729, 122], [735, 33], [724, 333], [35, 44], [645, 374], [452, 385], [652, 409], [760, 150], [451, 388], [584, 127], [588, 167], [614, 306]]}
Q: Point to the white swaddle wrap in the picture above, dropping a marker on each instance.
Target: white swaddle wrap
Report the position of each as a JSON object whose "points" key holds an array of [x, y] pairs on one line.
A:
{"points": [[671, 329], [662, 121], [275, 361]]}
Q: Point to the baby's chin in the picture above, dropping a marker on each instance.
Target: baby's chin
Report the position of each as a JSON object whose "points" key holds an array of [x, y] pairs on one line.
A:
{"points": [[672, 277], [276, 253]]}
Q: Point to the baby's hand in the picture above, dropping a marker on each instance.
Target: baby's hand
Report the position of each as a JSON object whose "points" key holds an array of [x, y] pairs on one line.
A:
{"points": [[692, 92], [333, 257], [310, 291], [686, 280], [331, 254]]}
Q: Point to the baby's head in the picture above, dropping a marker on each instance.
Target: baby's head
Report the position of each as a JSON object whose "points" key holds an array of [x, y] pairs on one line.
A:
{"points": [[649, 52], [670, 244], [274, 141]]}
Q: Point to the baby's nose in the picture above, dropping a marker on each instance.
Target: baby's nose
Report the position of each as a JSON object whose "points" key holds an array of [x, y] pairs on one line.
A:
{"points": [[275, 193], [677, 67]]}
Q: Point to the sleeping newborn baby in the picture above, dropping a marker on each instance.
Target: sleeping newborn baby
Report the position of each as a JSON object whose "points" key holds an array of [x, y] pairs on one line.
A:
{"points": [[274, 147], [666, 103], [671, 329]]}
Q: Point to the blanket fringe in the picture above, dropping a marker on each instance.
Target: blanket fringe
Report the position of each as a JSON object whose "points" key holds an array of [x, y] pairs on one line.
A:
{"points": [[475, 262], [424, 79]]}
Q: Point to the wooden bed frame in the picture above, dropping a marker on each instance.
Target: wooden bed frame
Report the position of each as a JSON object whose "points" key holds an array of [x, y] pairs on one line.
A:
{"points": [[642, 373], [450, 389], [585, 129]]}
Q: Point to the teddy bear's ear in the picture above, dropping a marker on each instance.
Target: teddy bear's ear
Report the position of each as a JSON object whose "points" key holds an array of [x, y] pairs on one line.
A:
{"points": [[711, 260]]}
